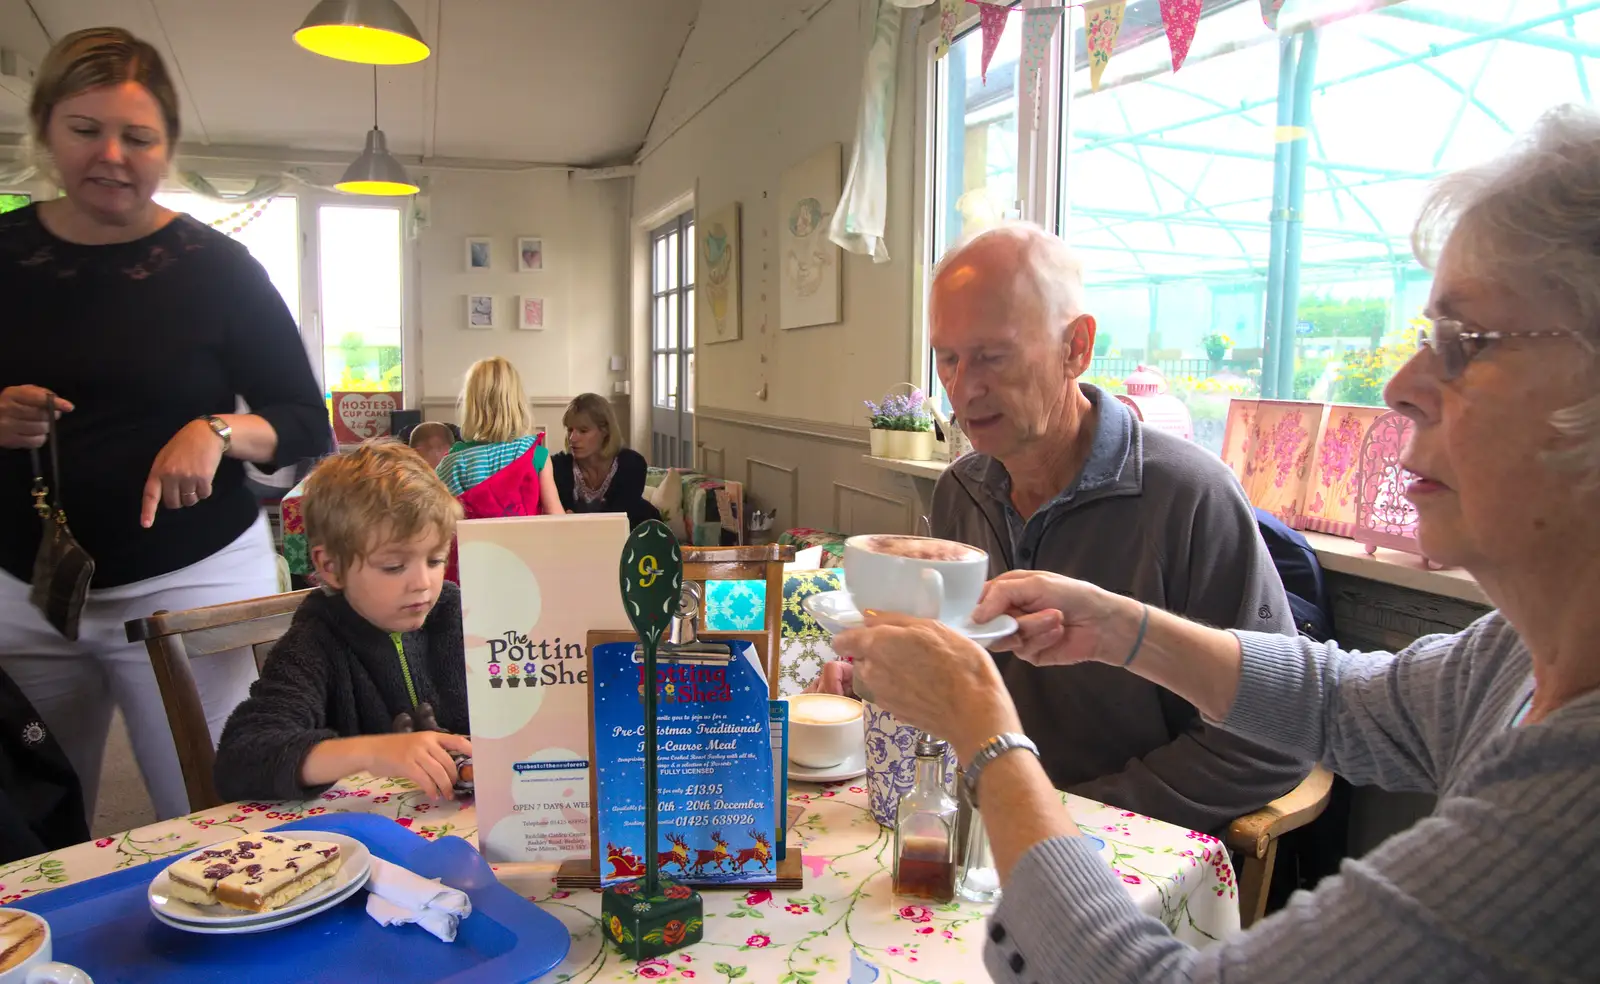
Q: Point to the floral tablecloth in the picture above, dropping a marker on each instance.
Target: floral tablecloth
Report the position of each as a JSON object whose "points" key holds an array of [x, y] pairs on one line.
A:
{"points": [[803, 937]]}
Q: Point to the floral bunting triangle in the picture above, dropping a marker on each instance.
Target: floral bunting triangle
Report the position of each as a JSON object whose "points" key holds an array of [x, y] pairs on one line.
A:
{"points": [[1269, 13], [1038, 27], [1102, 22], [949, 13], [1181, 18], [993, 17]]}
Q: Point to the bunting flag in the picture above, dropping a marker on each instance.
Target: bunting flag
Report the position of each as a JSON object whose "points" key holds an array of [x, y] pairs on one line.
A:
{"points": [[1269, 13], [1181, 17], [949, 13], [1102, 21], [1038, 27], [993, 16]]}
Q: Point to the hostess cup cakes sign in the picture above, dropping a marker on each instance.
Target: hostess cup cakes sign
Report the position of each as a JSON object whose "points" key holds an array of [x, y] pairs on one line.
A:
{"points": [[532, 589]]}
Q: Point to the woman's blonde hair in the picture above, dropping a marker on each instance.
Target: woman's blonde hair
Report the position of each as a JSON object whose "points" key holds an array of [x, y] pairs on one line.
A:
{"points": [[95, 57], [494, 407], [595, 409]]}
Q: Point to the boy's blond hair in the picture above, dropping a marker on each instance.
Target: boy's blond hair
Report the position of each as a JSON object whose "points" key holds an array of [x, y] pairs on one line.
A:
{"points": [[381, 492], [494, 407]]}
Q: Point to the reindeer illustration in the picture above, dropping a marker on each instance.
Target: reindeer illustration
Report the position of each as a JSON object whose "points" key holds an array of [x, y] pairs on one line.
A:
{"points": [[762, 852], [624, 863], [715, 857], [679, 855]]}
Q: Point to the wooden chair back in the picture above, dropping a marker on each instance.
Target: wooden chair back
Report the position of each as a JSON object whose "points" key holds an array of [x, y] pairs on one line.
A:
{"points": [[175, 638], [762, 563], [1255, 837]]}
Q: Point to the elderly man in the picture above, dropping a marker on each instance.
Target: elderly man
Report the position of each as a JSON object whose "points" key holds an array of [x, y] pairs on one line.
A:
{"points": [[1066, 479]]}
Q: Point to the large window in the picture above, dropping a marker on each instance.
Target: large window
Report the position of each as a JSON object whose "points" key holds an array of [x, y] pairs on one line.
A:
{"points": [[1244, 223], [359, 264]]}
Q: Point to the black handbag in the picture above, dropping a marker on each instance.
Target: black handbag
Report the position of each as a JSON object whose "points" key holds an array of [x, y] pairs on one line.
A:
{"points": [[63, 569]]}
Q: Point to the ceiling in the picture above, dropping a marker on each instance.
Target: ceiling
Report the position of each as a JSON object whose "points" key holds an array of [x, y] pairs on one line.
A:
{"points": [[543, 81]]}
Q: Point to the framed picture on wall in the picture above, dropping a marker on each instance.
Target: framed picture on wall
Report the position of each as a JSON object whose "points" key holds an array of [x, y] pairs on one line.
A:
{"points": [[480, 254], [530, 313], [480, 311], [530, 253]]}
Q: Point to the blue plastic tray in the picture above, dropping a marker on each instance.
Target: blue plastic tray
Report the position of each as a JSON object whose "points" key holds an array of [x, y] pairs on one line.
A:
{"points": [[104, 926]]}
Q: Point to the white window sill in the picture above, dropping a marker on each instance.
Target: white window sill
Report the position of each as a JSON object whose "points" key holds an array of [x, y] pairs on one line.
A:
{"points": [[1336, 553]]}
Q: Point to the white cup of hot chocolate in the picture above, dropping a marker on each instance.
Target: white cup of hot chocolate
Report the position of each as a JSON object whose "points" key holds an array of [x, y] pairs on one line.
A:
{"points": [[825, 730], [915, 575], [25, 950]]}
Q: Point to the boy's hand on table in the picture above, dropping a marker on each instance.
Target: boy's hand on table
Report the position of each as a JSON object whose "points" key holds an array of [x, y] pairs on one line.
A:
{"points": [[422, 756]]}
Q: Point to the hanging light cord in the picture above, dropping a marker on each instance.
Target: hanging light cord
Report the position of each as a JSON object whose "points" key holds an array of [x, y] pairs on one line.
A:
{"points": [[374, 97]]}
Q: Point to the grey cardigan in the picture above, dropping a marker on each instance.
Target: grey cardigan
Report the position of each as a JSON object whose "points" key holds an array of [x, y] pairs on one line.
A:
{"points": [[1498, 884]]}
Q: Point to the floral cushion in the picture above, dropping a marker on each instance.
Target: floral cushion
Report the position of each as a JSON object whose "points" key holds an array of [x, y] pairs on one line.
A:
{"points": [[832, 543], [740, 606]]}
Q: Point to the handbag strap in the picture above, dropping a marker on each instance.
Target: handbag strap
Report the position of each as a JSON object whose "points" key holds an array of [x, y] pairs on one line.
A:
{"points": [[47, 497]]}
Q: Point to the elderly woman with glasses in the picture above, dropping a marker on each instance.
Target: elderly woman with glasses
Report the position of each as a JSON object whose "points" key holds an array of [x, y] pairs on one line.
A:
{"points": [[1501, 722]]}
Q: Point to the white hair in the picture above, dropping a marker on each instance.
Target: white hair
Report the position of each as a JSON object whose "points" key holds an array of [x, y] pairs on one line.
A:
{"points": [[1045, 265], [1534, 216]]}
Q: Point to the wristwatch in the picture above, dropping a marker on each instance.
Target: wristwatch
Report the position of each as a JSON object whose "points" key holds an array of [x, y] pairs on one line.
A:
{"points": [[990, 750], [222, 430]]}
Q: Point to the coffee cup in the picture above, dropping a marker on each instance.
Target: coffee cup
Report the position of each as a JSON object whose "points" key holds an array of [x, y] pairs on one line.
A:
{"points": [[915, 575], [25, 949], [824, 730]]}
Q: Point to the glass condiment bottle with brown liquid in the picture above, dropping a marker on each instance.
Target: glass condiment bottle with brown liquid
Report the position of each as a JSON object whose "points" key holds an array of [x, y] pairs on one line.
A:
{"points": [[925, 830]]}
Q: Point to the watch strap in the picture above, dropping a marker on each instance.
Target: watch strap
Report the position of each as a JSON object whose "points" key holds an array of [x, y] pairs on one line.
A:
{"points": [[990, 750], [221, 428]]}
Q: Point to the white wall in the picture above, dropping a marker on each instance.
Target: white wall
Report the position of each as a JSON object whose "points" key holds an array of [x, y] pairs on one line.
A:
{"points": [[584, 283], [759, 88]]}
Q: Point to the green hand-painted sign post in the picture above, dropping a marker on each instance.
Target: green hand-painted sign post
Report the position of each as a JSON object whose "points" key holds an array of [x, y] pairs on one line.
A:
{"points": [[646, 919]]}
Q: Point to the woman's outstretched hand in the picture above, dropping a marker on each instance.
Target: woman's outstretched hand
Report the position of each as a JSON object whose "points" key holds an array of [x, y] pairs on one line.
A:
{"points": [[182, 472], [1059, 620], [931, 677]]}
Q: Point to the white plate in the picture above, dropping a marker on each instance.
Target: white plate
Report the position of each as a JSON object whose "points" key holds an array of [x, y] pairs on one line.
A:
{"points": [[835, 612], [855, 765], [351, 876], [262, 925]]}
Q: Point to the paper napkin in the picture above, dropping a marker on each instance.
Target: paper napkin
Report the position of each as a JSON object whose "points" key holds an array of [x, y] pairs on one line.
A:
{"points": [[398, 896]]}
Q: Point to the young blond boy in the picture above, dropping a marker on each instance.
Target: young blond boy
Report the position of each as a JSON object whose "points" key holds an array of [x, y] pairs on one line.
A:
{"points": [[381, 639]]}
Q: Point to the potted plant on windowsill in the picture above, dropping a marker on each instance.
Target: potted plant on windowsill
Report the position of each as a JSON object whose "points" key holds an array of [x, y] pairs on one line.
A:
{"points": [[902, 427], [1216, 346]]}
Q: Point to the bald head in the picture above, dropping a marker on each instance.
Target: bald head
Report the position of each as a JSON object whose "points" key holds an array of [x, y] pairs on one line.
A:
{"points": [[1010, 337], [1017, 264]]}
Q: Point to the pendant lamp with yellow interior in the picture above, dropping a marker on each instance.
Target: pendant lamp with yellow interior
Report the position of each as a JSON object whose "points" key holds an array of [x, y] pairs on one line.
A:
{"points": [[372, 32], [376, 171]]}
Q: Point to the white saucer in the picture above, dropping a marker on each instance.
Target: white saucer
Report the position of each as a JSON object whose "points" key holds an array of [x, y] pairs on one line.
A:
{"points": [[351, 876], [855, 765], [836, 612]]}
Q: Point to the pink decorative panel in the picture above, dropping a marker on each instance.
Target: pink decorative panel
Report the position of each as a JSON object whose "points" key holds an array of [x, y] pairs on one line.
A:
{"points": [[1270, 446], [1332, 492], [1384, 516]]}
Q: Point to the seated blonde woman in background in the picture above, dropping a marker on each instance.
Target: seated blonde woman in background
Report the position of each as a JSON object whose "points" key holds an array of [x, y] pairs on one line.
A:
{"points": [[596, 473]]}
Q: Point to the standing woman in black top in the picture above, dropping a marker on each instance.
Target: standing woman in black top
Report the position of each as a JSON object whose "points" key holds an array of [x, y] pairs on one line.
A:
{"points": [[596, 473], [148, 326]]}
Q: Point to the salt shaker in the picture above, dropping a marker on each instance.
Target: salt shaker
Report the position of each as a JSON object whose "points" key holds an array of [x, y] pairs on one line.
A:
{"points": [[980, 880]]}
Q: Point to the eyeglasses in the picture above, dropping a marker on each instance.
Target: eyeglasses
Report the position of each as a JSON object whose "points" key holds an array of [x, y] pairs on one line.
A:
{"points": [[1457, 343]]}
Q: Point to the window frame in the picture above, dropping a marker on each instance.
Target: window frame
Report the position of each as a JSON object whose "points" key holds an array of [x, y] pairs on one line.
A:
{"points": [[1038, 155], [681, 294]]}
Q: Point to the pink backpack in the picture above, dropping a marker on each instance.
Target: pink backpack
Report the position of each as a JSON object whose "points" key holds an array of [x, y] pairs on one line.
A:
{"points": [[511, 491]]}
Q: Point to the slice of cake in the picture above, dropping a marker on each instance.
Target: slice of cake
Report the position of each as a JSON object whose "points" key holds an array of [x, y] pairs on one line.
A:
{"points": [[254, 874]]}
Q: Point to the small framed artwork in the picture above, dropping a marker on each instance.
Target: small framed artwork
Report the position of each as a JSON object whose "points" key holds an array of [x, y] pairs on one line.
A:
{"points": [[530, 313], [480, 311], [530, 253], [480, 255]]}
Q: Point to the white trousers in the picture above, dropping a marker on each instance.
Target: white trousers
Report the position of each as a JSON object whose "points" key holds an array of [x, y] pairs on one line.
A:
{"points": [[74, 685]]}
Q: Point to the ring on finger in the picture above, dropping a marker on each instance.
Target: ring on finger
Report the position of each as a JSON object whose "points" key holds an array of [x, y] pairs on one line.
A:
{"points": [[191, 497]]}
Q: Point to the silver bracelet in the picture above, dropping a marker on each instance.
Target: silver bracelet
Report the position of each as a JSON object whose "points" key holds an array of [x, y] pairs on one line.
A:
{"points": [[989, 751]]}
